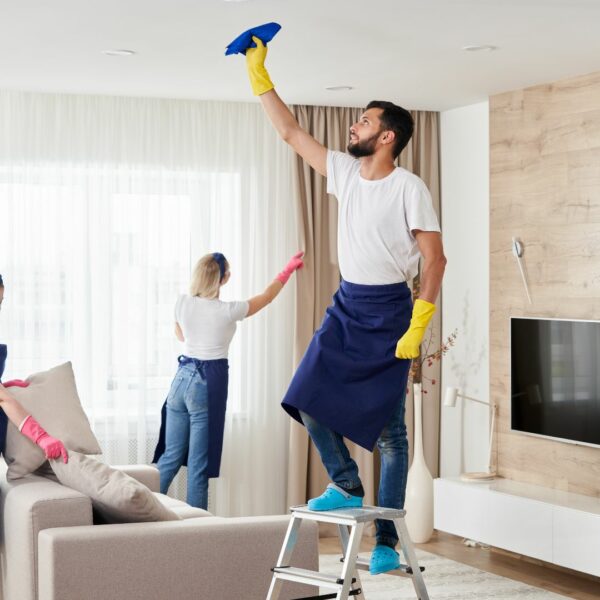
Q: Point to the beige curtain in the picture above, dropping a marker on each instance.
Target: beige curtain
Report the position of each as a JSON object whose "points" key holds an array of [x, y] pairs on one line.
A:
{"points": [[318, 281]]}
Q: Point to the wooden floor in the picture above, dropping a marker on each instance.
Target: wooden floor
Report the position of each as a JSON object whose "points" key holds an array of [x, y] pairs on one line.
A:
{"points": [[498, 562]]}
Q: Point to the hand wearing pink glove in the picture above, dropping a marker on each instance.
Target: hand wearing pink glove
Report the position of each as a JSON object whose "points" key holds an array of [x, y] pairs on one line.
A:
{"points": [[16, 383], [52, 447], [294, 263]]}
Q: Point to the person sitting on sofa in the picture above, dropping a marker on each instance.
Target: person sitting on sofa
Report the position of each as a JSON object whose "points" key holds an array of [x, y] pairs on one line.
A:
{"points": [[17, 415]]}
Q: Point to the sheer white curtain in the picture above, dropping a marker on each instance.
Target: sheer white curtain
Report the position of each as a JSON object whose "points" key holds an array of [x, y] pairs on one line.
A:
{"points": [[105, 205]]}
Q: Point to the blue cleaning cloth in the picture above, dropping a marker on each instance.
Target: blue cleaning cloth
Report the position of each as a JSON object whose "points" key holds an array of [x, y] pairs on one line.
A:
{"points": [[265, 33]]}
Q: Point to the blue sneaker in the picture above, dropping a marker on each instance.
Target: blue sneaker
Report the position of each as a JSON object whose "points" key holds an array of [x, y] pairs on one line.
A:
{"points": [[335, 497], [383, 559]]}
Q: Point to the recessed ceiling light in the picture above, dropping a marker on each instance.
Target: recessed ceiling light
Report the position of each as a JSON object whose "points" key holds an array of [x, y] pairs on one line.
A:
{"points": [[339, 88], [118, 52], [483, 48]]}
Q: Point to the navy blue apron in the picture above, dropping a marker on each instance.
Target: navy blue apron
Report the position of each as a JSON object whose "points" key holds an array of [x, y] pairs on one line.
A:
{"points": [[349, 379], [3, 417], [216, 373]]}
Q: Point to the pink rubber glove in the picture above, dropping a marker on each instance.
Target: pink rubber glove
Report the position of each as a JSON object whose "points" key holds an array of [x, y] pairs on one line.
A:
{"points": [[16, 383], [294, 263], [52, 447]]}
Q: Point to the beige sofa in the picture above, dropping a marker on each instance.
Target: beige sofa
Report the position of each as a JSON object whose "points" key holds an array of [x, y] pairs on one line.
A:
{"points": [[51, 550]]}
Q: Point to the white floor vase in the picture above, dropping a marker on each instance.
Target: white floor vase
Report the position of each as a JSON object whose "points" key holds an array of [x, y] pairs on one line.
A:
{"points": [[419, 488]]}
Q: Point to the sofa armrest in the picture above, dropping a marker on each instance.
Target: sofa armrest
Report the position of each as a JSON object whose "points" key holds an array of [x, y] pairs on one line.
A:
{"points": [[28, 506], [210, 558], [146, 474]]}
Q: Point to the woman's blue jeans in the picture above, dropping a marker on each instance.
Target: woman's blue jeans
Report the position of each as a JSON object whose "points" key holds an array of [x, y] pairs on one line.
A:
{"points": [[343, 470], [187, 435]]}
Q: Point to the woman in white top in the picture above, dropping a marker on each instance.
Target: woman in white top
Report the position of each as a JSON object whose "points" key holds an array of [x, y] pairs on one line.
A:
{"points": [[194, 412]]}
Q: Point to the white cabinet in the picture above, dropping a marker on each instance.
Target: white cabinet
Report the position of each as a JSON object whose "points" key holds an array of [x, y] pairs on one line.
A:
{"points": [[519, 525], [554, 526], [459, 512], [577, 540]]}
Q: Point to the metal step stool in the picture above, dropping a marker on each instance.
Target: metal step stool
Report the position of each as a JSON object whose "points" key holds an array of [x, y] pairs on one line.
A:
{"points": [[350, 524]]}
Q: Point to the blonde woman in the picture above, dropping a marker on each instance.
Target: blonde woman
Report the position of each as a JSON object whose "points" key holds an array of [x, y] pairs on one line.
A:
{"points": [[13, 411], [194, 411]]}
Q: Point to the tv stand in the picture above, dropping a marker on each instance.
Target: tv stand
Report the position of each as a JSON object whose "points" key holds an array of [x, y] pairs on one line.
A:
{"points": [[551, 525]]}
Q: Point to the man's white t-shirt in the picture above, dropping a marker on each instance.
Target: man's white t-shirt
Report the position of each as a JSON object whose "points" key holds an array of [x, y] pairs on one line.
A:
{"points": [[208, 325], [376, 219]]}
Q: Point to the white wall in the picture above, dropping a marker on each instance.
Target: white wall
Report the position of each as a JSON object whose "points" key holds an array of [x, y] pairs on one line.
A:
{"points": [[465, 294]]}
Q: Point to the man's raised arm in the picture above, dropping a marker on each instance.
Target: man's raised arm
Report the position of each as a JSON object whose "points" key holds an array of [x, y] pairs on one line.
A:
{"points": [[314, 153]]}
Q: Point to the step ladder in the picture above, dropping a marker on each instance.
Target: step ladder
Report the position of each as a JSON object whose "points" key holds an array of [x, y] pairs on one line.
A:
{"points": [[351, 523]]}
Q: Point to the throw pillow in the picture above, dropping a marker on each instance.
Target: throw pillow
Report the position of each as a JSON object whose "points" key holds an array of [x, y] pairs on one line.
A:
{"points": [[116, 496], [52, 400]]}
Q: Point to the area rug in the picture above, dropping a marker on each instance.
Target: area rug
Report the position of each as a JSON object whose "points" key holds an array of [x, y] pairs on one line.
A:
{"points": [[445, 580]]}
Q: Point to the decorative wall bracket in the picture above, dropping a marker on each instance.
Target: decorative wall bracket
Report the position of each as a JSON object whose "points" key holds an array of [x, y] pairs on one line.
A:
{"points": [[517, 249]]}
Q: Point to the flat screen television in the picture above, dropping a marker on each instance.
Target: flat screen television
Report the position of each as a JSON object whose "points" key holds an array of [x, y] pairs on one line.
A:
{"points": [[555, 379]]}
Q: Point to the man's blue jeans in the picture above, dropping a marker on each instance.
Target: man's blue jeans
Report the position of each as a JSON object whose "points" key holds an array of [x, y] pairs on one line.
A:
{"points": [[343, 470], [187, 435]]}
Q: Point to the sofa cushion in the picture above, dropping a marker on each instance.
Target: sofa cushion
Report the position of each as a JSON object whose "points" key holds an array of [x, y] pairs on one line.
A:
{"points": [[182, 509], [52, 400], [116, 497]]}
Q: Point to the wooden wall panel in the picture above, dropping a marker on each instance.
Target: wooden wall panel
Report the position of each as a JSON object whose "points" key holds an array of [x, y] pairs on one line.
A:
{"points": [[545, 190]]}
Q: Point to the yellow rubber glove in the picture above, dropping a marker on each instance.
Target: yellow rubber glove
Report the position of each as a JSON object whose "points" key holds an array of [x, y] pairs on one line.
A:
{"points": [[255, 63], [408, 345]]}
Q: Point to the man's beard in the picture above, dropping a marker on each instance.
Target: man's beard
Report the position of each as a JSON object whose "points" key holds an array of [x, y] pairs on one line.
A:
{"points": [[364, 148]]}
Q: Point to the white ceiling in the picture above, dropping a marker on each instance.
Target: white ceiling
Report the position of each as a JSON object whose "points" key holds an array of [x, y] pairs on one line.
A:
{"points": [[407, 51]]}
